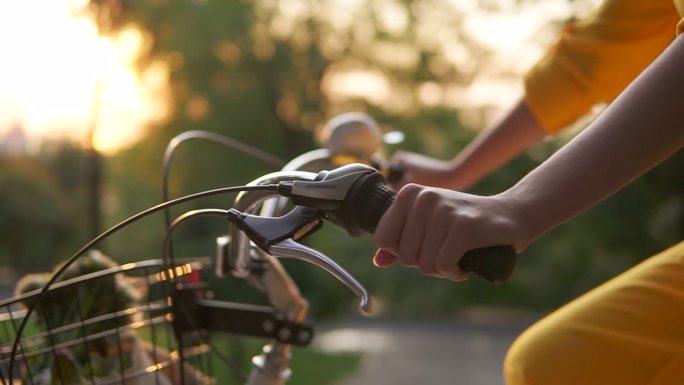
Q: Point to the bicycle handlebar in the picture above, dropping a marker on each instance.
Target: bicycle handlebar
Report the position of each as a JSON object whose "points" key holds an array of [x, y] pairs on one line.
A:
{"points": [[355, 197]]}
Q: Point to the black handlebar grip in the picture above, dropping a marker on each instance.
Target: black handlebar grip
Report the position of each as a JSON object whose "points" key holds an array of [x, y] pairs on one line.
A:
{"points": [[493, 264]]}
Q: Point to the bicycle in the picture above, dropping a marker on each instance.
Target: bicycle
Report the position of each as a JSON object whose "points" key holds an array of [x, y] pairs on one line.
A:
{"points": [[162, 336]]}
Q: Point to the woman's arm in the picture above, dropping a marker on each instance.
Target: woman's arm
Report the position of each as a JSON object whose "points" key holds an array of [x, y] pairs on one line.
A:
{"points": [[488, 152], [431, 228], [592, 61], [644, 126]]}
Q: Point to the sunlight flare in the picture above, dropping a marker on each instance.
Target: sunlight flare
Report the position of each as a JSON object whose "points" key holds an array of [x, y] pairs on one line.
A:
{"points": [[59, 77]]}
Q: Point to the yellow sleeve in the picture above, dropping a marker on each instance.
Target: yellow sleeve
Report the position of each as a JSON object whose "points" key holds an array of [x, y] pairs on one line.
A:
{"points": [[680, 7], [595, 59]]}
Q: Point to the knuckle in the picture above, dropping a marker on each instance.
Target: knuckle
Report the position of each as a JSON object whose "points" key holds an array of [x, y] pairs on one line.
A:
{"points": [[409, 190], [428, 197]]}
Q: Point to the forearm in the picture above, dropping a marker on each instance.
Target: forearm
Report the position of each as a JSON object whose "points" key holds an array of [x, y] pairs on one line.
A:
{"points": [[642, 127], [493, 148], [496, 146]]}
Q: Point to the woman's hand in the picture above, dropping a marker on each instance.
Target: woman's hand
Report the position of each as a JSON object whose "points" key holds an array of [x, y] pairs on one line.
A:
{"points": [[431, 228], [424, 170]]}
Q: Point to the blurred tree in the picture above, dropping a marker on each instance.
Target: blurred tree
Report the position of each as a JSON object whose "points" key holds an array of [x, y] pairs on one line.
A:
{"points": [[271, 72], [262, 72], [40, 211]]}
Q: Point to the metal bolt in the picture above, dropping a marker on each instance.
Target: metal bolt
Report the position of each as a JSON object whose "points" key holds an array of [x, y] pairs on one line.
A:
{"points": [[303, 336], [268, 326], [284, 334]]}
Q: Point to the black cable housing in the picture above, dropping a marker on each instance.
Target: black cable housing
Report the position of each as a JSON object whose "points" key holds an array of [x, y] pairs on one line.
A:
{"points": [[213, 137]]}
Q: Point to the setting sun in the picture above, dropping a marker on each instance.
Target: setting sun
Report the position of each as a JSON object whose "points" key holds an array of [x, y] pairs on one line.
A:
{"points": [[60, 78]]}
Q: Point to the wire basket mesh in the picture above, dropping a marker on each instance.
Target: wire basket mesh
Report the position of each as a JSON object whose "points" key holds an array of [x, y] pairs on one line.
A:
{"points": [[111, 326]]}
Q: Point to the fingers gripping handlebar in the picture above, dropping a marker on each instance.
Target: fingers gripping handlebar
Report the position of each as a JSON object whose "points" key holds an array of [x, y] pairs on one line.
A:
{"points": [[355, 197]]}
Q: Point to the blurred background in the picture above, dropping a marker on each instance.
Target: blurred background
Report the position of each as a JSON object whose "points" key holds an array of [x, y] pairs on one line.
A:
{"points": [[91, 92]]}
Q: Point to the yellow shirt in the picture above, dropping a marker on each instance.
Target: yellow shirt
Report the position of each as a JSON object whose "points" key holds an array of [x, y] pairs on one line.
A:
{"points": [[596, 58]]}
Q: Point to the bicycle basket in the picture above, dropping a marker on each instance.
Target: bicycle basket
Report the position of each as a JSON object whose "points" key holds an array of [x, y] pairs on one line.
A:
{"points": [[103, 326]]}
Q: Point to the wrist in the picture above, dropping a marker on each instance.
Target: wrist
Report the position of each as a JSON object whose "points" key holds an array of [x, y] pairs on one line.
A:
{"points": [[518, 210]]}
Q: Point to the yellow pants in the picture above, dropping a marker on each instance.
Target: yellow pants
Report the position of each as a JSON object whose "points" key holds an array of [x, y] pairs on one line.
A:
{"points": [[627, 331]]}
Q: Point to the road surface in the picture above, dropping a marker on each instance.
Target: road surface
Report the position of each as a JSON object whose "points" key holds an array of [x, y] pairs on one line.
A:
{"points": [[465, 350]]}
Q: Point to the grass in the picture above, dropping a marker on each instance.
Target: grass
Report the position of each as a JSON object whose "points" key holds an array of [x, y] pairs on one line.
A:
{"points": [[309, 366], [316, 367]]}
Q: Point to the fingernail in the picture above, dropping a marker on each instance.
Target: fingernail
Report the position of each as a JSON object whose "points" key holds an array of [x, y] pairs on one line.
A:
{"points": [[375, 259]]}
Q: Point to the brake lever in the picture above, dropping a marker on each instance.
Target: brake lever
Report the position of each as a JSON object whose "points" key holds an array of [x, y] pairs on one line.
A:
{"points": [[289, 248], [278, 236]]}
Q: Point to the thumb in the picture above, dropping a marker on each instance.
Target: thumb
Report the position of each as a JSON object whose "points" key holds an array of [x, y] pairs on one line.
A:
{"points": [[384, 258]]}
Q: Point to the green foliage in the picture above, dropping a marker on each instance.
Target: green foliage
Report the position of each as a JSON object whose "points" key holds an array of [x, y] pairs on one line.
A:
{"points": [[234, 71], [41, 207]]}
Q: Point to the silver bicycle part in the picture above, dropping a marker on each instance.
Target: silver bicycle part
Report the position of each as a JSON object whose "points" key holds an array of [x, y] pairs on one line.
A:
{"points": [[352, 133], [240, 244], [291, 249], [313, 161], [272, 366], [280, 289], [239, 251]]}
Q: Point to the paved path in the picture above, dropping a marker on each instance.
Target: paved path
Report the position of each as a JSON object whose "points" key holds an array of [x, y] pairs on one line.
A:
{"points": [[468, 350]]}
